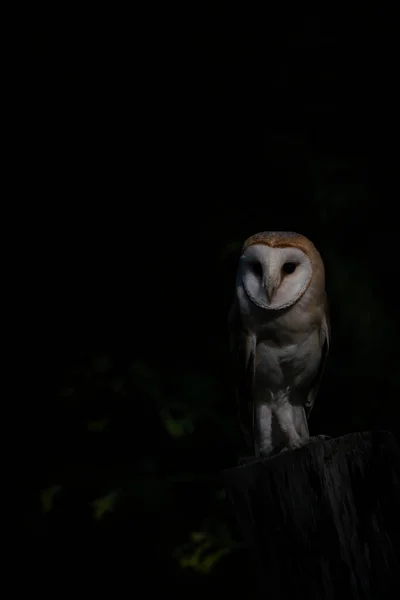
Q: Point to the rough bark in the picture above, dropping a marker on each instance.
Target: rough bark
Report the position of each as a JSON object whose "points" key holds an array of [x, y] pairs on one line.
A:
{"points": [[323, 521]]}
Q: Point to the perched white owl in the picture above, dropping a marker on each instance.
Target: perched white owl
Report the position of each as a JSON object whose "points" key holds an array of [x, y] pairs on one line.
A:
{"points": [[280, 338]]}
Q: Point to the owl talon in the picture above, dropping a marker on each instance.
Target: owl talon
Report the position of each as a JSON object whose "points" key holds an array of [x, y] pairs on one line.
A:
{"points": [[319, 438], [304, 442], [294, 445]]}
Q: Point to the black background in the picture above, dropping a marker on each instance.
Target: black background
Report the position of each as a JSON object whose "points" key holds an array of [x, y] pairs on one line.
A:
{"points": [[154, 142]]}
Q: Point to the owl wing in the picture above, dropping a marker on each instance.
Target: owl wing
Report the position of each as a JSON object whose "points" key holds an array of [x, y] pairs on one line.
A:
{"points": [[325, 342], [242, 345]]}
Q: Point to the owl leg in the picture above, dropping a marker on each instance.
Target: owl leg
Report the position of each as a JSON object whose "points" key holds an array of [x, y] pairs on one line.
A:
{"points": [[263, 445], [293, 424]]}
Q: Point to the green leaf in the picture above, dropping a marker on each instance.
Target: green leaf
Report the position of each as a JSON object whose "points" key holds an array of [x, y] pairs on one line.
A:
{"points": [[104, 504], [193, 560], [197, 556], [47, 497], [198, 536], [211, 560], [176, 427]]}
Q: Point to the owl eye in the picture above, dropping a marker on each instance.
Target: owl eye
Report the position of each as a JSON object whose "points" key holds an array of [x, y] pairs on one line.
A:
{"points": [[257, 269], [289, 267]]}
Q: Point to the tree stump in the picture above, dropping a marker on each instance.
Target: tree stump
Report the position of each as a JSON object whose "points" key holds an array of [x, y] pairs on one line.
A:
{"points": [[323, 522]]}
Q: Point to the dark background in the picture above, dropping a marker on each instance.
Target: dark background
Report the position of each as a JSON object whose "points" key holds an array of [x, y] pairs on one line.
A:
{"points": [[156, 142]]}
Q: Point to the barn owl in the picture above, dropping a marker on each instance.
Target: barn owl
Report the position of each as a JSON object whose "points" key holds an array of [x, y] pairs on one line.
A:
{"points": [[280, 337]]}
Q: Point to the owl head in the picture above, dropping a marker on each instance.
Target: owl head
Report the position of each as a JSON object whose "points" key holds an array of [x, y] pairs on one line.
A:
{"points": [[277, 268]]}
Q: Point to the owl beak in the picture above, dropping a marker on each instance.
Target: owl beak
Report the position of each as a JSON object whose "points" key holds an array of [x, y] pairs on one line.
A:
{"points": [[270, 288]]}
